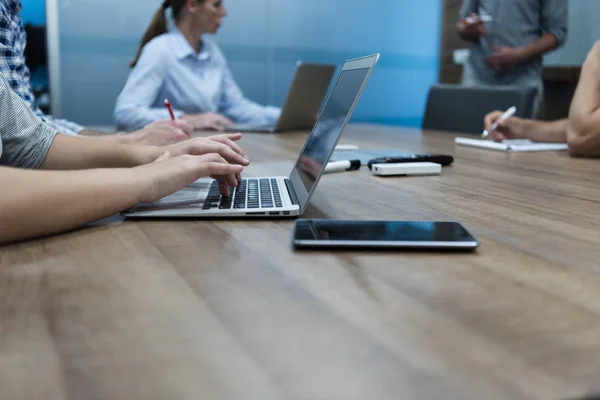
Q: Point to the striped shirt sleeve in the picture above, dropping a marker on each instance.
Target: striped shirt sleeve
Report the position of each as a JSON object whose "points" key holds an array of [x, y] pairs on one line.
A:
{"points": [[555, 15], [468, 7], [62, 125], [24, 138], [13, 40]]}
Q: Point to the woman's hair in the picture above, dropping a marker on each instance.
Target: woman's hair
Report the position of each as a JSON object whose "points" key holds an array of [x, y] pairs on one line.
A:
{"points": [[158, 26]]}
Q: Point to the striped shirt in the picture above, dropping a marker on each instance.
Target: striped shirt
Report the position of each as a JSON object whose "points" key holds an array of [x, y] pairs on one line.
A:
{"points": [[12, 63], [515, 23], [24, 138]]}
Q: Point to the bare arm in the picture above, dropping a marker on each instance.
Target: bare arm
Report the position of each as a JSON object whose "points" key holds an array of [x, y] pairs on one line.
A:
{"points": [[158, 133], [540, 47], [554, 21], [518, 128], [542, 131], [473, 31], [119, 137], [75, 153], [71, 152], [584, 117], [46, 202], [505, 57]]}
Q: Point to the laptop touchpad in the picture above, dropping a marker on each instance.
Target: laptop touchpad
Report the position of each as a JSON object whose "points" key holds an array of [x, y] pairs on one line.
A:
{"points": [[194, 193]]}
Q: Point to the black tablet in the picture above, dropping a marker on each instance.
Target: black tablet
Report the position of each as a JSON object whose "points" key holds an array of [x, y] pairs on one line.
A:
{"points": [[309, 233]]}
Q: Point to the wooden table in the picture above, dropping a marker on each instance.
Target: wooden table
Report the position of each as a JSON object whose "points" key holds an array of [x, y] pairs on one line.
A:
{"points": [[227, 310]]}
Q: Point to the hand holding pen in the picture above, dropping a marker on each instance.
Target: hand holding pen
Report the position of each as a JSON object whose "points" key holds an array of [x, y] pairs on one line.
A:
{"points": [[496, 120]]}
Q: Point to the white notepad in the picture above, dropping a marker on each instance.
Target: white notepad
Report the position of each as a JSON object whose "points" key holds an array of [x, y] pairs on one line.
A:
{"points": [[516, 145]]}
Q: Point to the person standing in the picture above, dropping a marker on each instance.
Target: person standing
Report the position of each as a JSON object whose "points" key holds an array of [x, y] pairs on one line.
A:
{"points": [[510, 38]]}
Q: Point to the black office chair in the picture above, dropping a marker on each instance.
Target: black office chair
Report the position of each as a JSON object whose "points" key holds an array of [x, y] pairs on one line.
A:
{"points": [[36, 58], [460, 108], [36, 53]]}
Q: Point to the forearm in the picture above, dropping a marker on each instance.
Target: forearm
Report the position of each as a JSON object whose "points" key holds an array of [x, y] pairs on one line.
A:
{"points": [[465, 35], [584, 116], [130, 117], [118, 137], [468, 8], [89, 132], [47, 202], [70, 153], [552, 132], [586, 100], [540, 47]]}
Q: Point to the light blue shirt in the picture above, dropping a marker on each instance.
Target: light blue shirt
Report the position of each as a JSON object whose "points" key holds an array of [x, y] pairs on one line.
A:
{"points": [[194, 83]]}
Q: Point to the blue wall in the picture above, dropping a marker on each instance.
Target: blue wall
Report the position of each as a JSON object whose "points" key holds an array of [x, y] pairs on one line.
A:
{"points": [[263, 39], [584, 31], [34, 12]]}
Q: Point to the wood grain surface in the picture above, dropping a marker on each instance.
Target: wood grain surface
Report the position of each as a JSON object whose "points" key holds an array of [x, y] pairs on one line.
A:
{"points": [[192, 309]]}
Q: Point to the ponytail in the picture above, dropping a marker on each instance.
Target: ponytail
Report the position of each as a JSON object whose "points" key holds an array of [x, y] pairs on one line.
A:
{"points": [[157, 27]]}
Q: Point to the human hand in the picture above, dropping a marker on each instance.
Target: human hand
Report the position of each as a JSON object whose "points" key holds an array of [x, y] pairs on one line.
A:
{"points": [[208, 120], [162, 132], [472, 28], [504, 58], [219, 144], [512, 128], [169, 174], [229, 139]]}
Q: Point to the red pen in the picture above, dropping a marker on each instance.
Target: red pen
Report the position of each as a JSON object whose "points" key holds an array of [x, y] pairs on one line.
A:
{"points": [[168, 105]]}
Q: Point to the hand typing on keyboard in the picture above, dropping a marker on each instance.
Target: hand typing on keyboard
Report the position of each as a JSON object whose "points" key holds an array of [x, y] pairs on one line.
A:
{"points": [[250, 194], [168, 174], [223, 145], [230, 140]]}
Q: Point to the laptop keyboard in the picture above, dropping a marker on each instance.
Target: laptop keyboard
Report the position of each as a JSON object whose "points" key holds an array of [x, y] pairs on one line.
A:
{"points": [[250, 194]]}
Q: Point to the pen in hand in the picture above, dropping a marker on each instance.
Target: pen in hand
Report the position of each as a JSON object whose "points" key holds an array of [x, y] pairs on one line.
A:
{"points": [[478, 18], [507, 114], [168, 105]]}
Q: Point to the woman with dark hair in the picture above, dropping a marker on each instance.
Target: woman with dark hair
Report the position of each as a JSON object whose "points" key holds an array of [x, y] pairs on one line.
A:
{"points": [[183, 66]]}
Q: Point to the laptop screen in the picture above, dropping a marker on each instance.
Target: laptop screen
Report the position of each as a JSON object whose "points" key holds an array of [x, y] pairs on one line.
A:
{"points": [[328, 128]]}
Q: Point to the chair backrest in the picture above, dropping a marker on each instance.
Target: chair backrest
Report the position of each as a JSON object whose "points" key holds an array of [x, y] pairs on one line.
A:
{"points": [[460, 108]]}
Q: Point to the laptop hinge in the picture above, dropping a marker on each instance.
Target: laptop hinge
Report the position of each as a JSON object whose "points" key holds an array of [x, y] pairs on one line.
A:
{"points": [[291, 192]]}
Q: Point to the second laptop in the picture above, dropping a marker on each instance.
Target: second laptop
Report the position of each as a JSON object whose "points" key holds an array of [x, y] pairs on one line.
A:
{"points": [[303, 101]]}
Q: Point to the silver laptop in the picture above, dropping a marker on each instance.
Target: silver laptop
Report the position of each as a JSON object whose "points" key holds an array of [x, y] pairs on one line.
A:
{"points": [[275, 196], [302, 103]]}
